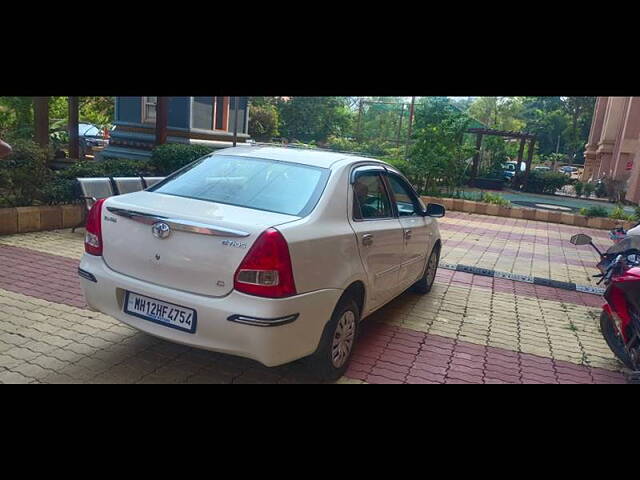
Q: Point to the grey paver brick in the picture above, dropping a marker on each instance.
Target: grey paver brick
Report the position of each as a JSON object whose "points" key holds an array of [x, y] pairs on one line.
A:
{"points": [[22, 353], [13, 377]]}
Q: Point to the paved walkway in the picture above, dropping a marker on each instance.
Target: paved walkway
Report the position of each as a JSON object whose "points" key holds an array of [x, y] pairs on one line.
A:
{"points": [[469, 329], [524, 247]]}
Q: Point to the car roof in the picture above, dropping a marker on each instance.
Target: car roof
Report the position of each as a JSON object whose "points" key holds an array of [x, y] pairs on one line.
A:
{"points": [[304, 156]]}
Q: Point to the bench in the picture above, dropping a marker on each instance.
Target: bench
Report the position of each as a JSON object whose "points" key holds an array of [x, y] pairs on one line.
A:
{"points": [[94, 189]]}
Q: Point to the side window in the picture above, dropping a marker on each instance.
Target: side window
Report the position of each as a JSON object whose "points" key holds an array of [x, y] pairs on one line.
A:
{"points": [[404, 197], [370, 198]]}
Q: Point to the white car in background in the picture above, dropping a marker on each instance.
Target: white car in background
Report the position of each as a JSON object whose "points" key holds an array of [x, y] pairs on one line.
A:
{"points": [[269, 253]]}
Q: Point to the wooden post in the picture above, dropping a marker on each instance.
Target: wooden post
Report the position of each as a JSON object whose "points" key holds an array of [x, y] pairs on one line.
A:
{"points": [[73, 120], [225, 114], [41, 121], [517, 176], [400, 125], [411, 110], [236, 101], [476, 157], [162, 117], [532, 144], [359, 138]]}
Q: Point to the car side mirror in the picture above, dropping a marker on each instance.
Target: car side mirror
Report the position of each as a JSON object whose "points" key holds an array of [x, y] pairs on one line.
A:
{"points": [[434, 210], [581, 239]]}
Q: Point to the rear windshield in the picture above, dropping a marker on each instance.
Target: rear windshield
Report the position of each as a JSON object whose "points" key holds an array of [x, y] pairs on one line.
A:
{"points": [[280, 187]]}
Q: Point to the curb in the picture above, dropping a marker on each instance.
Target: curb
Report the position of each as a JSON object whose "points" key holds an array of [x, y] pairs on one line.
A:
{"points": [[545, 282]]}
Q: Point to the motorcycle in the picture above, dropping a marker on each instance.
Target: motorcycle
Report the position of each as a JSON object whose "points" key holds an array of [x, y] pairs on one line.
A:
{"points": [[618, 234], [619, 269]]}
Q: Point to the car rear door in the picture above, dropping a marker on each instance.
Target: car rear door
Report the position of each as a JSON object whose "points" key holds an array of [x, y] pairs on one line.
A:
{"points": [[378, 231], [417, 229]]}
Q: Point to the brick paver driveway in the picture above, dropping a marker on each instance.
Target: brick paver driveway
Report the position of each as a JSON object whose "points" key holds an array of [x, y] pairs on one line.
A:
{"points": [[469, 329]]}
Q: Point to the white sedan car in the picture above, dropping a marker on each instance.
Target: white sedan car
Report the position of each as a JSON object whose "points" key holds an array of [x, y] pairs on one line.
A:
{"points": [[269, 253]]}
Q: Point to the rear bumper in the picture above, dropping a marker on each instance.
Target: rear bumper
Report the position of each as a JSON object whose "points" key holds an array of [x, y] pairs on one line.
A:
{"points": [[272, 345]]}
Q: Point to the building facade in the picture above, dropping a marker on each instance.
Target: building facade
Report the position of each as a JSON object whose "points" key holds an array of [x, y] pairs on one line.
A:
{"points": [[202, 120], [613, 149]]}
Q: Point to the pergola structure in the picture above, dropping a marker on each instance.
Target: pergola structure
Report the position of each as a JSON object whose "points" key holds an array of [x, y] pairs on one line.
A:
{"points": [[523, 136]]}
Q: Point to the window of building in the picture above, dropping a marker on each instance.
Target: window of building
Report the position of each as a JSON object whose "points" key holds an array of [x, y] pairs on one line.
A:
{"points": [[149, 109]]}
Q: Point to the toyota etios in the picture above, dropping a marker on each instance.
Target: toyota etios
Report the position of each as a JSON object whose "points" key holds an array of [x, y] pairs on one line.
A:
{"points": [[263, 252]]}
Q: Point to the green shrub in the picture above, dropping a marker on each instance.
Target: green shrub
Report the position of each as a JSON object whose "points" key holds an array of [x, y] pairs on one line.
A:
{"points": [[263, 122], [495, 199], [594, 212], [579, 188], [588, 189], [23, 174], [170, 157], [546, 182], [63, 188], [600, 190], [343, 144], [636, 216], [618, 213]]}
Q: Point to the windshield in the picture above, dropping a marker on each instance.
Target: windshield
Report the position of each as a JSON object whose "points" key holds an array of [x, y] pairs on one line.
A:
{"points": [[86, 129], [630, 243], [257, 183]]}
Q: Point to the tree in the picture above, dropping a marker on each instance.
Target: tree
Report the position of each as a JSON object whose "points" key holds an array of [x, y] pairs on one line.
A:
{"points": [[501, 113], [580, 111], [440, 154], [315, 118], [264, 119]]}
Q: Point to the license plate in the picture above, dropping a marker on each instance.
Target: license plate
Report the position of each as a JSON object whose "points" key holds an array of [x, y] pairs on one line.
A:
{"points": [[163, 313]]}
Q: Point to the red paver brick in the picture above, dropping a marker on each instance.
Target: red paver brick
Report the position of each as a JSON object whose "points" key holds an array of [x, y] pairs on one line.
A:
{"points": [[384, 372], [354, 364], [403, 348], [356, 374], [502, 363], [540, 372], [398, 358], [471, 378], [436, 349], [474, 365], [470, 348], [495, 381], [375, 379], [502, 377], [428, 367], [420, 380], [409, 342], [455, 370], [529, 377], [431, 376], [401, 369], [460, 381]]}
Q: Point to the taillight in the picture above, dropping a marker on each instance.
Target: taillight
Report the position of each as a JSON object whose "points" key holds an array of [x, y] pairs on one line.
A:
{"points": [[266, 271], [93, 237]]}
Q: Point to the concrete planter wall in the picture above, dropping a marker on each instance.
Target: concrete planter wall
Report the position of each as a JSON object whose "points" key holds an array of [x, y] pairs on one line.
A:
{"points": [[482, 208], [35, 219]]}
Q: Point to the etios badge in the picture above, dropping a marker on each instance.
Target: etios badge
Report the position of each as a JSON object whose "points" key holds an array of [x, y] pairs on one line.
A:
{"points": [[160, 230]]}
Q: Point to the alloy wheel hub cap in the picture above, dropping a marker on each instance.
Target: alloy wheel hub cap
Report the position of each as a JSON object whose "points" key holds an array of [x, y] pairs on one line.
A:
{"points": [[343, 339]]}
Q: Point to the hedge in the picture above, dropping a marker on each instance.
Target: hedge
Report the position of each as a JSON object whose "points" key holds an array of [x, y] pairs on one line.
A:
{"points": [[168, 158], [26, 180]]}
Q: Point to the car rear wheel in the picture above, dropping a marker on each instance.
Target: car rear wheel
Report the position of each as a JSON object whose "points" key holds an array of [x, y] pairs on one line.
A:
{"points": [[425, 284], [331, 359]]}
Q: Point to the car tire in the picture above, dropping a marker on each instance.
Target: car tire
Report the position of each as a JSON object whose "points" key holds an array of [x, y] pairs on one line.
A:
{"points": [[425, 284], [337, 342]]}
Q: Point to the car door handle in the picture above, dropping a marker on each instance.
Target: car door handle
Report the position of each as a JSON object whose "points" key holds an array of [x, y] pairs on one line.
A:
{"points": [[367, 239], [407, 234]]}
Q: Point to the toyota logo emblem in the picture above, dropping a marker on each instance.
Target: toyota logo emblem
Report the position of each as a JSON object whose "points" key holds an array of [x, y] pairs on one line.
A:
{"points": [[161, 230]]}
